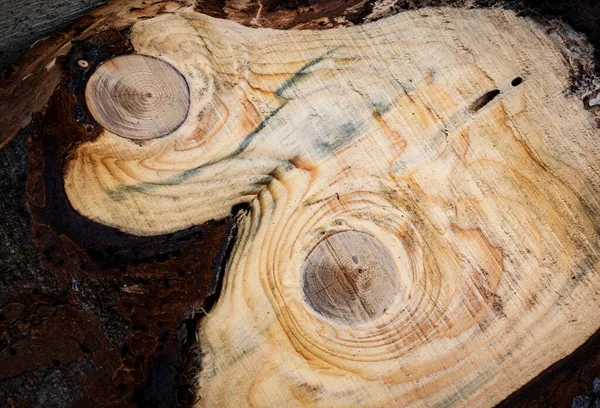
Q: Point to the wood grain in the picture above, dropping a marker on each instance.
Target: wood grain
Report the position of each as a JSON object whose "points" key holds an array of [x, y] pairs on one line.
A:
{"points": [[446, 135], [137, 97], [96, 317], [350, 277]]}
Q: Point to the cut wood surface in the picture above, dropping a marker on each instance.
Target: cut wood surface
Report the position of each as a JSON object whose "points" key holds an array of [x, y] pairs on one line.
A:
{"points": [[421, 202], [350, 277], [137, 97]]}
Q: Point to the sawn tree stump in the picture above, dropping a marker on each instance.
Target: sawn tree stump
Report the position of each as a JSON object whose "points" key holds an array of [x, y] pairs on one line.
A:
{"points": [[402, 213]]}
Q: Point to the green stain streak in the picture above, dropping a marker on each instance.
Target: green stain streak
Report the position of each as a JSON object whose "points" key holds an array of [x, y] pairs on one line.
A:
{"points": [[119, 193], [301, 73]]}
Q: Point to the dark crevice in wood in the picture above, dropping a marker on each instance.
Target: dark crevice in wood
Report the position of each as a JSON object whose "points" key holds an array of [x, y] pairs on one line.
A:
{"points": [[193, 354], [483, 100], [222, 258]]}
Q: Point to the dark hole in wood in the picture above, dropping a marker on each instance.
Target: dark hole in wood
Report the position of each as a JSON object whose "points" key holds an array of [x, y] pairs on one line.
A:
{"points": [[56, 363], [85, 349], [517, 81], [484, 100]]}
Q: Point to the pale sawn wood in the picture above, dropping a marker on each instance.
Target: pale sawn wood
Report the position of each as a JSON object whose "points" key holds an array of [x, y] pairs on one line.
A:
{"points": [[415, 131]]}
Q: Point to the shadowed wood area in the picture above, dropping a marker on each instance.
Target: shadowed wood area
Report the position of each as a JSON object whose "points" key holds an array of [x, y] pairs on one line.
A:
{"points": [[400, 213]]}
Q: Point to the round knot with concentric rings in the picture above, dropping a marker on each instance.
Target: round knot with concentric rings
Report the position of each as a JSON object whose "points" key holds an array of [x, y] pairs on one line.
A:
{"points": [[350, 277], [138, 97]]}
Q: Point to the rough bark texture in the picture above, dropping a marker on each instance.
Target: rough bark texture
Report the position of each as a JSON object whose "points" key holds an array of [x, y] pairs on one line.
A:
{"points": [[91, 316], [24, 22]]}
